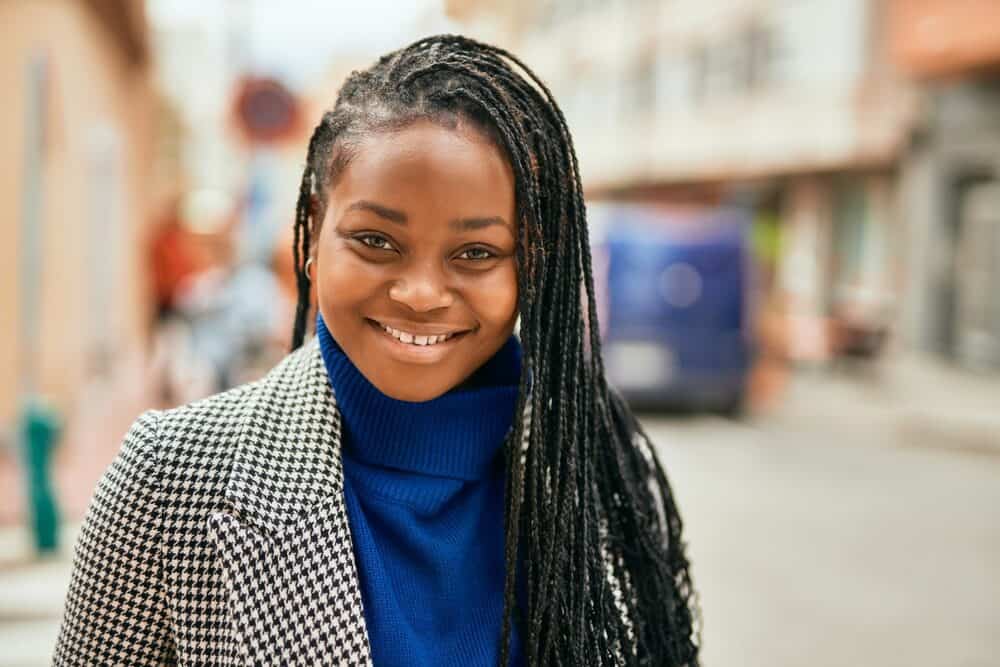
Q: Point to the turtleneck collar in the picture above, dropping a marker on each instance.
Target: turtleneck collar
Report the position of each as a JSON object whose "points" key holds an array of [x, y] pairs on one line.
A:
{"points": [[456, 435]]}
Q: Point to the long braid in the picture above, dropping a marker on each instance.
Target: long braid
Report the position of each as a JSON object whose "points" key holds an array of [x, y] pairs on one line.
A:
{"points": [[300, 252], [592, 530]]}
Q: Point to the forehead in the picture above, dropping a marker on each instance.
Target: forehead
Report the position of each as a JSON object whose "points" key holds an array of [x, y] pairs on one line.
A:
{"points": [[425, 167]]}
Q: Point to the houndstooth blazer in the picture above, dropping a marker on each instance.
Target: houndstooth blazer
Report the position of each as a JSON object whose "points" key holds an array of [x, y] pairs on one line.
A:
{"points": [[219, 536]]}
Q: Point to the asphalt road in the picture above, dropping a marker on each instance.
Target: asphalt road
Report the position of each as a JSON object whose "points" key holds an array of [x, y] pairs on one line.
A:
{"points": [[820, 546]]}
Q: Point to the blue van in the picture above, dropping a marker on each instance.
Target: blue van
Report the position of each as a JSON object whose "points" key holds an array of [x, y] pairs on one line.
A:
{"points": [[673, 303]]}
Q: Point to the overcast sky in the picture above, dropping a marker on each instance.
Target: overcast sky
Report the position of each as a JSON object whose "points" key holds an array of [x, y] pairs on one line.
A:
{"points": [[297, 39]]}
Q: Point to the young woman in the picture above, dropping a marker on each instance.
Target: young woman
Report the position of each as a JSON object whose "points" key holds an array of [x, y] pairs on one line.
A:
{"points": [[414, 485]]}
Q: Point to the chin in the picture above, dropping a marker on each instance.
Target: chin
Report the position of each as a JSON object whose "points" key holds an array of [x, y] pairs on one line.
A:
{"points": [[413, 392]]}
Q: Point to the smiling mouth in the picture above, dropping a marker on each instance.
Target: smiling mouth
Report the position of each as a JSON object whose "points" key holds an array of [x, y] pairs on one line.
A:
{"points": [[416, 339]]}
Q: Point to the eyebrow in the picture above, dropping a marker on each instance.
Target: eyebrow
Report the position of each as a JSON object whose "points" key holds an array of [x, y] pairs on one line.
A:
{"points": [[477, 223], [400, 218], [389, 214]]}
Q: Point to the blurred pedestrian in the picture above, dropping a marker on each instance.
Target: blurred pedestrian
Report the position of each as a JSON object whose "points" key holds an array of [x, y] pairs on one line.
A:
{"points": [[413, 485], [175, 257]]}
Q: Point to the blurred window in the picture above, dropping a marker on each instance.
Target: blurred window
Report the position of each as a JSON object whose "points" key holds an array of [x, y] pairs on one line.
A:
{"points": [[725, 65], [107, 228], [644, 85], [699, 73], [739, 65], [851, 227], [761, 52], [674, 83]]}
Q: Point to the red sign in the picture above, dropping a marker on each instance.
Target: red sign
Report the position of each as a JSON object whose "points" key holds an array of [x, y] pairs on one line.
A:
{"points": [[266, 112]]}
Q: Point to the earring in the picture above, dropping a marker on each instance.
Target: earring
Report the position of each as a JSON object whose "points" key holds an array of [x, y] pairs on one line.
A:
{"points": [[306, 267]]}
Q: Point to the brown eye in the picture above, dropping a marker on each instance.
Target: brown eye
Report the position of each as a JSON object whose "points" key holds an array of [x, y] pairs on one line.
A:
{"points": [[476, 254], [375, 241]]}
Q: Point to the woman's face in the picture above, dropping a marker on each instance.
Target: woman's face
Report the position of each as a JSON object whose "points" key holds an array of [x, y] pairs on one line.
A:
{"points": [[415, 262]]}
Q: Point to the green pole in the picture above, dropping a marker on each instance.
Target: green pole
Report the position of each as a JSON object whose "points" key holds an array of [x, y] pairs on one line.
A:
{"points": [[39, 435]]}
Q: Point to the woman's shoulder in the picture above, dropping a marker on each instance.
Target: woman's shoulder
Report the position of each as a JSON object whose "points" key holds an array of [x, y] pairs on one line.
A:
{"points": [[209, 427], [187, 454], [209, 418], [216, 420], [186, 449]]}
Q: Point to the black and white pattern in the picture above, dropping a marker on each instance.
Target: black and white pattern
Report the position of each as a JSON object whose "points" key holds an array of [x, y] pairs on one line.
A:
{"points": [[219, 536]]}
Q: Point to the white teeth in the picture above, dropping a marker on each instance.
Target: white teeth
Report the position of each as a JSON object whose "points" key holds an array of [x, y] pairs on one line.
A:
{"points": [[412, 339]]}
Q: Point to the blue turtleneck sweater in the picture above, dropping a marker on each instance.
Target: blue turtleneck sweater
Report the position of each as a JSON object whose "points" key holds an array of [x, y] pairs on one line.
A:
{"points": [[424, 488]]}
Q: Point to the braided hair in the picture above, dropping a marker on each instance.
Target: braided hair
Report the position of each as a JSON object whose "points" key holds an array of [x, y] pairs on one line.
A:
{"points": [[592, 531]]}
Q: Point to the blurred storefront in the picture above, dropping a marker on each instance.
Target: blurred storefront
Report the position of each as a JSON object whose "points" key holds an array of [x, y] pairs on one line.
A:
{"points": [[78, 131], [951, 178]]}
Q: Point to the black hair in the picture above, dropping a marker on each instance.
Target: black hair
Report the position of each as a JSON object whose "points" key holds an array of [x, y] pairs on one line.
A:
{"points": [[592, 531]]}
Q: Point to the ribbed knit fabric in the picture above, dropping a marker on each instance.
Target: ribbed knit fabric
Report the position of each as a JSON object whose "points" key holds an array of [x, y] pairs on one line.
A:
{"points": [[424, 488]]}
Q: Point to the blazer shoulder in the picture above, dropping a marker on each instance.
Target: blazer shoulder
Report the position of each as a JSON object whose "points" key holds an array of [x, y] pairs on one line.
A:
{"points": [[209, 422], [198, 444], [195, 442], [216, 413]]}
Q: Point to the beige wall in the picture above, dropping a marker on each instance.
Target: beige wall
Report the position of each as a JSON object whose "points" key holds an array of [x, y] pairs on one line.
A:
{"points": [[96, 202]]}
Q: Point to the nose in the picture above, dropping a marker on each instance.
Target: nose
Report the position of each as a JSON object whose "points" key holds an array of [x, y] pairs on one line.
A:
{"points": [[422, 289]]}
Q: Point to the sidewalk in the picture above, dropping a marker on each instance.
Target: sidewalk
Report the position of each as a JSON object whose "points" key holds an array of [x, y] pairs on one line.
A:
{"points": [[944, 406], [33, 594], [909, 401]]}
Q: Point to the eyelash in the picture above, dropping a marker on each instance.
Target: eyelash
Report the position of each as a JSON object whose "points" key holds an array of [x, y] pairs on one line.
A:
{"points": [[369, 239]]}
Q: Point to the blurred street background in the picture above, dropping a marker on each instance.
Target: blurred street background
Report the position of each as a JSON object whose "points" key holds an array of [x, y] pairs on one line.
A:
{"points": [[795, 210]]}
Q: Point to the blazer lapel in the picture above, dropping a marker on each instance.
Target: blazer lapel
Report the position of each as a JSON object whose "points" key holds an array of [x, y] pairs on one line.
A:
{"points": [[284, 544]]}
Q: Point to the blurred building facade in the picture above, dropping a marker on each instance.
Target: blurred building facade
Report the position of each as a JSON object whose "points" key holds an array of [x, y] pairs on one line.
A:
{"points": [[809, 112], [197, 64], [951, 177], [78, 129]]}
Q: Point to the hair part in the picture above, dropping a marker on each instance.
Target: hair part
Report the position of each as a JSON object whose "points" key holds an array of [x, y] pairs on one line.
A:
{"points": [[591, 527]]}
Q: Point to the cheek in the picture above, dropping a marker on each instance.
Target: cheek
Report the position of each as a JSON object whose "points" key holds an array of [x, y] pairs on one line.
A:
{"points": [[495, 297], [342, 279]]}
